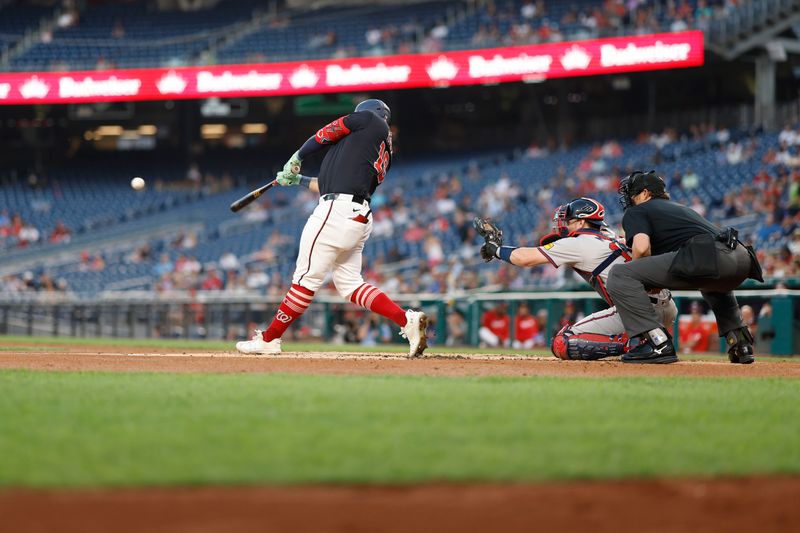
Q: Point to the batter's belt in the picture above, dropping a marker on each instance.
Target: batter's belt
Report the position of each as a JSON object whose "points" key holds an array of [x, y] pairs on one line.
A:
{"points": [[355, 198]]}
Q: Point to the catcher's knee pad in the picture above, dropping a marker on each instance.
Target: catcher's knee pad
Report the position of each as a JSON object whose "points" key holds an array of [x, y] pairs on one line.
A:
{"points": [[587, 346]]}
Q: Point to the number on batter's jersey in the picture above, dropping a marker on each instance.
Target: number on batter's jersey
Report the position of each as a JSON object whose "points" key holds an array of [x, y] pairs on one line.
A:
{"points": [[382, 163]]}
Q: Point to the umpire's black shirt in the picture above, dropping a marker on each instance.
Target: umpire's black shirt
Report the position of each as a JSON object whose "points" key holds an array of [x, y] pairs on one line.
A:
{"points": [[668, 224]]}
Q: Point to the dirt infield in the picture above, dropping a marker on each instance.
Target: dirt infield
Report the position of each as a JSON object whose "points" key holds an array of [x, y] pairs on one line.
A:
{"points": [[149, 360], [764, 504], [749, 504]]}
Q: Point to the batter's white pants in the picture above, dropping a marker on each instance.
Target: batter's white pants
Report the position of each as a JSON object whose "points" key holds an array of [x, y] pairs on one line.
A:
{"points": [[608, 321], [332, 242]]}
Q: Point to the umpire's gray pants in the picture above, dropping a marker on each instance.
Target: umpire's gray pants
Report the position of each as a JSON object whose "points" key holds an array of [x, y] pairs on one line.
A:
{"points": [[628, 284]]}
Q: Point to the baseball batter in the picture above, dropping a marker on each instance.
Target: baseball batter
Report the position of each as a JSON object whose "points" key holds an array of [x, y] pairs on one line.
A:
{"points": [[581, 241], [359, 156]]}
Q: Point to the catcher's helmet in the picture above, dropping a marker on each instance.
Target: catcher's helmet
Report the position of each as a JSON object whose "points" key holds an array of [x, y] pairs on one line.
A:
{"points": [[636, 182], [376, 106], [587, 209]]}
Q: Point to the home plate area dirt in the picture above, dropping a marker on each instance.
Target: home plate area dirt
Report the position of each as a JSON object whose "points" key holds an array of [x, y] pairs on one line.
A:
{"points": [[114, 359], [755, 503]]}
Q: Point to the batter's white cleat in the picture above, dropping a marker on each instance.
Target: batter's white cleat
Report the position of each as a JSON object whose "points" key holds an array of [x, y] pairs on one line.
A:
{"points": [[416, 331], [258, 346]]}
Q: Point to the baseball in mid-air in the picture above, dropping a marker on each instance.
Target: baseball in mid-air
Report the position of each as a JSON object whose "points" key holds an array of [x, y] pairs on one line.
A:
{"points": [[137, 183]]}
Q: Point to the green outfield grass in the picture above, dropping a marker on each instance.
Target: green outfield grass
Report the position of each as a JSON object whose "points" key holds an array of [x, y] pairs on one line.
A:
{"points": [[115, 429]]}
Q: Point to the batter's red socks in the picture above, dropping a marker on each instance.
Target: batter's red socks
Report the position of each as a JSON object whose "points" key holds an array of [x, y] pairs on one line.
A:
{"points": [[293, 305], [376, 301]]}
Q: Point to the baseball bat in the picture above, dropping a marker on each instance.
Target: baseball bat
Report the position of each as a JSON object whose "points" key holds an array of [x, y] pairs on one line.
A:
{"points": [[250, 197]]}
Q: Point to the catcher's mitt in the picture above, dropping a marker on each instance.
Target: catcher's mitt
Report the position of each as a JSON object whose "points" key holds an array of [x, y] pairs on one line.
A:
{"points": [[492, 235]]}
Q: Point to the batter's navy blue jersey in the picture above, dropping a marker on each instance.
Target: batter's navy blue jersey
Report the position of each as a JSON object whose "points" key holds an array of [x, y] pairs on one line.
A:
{"points": [[359, 157]]}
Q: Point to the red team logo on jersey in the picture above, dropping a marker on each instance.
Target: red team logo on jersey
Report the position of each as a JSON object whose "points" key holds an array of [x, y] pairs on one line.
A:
{"points": [[332, 132], [382, 163]]}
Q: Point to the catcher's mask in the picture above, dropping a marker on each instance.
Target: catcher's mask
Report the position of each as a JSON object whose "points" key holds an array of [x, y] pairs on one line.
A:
{"points": [[581, 209], [376, 106], [637, 181]]}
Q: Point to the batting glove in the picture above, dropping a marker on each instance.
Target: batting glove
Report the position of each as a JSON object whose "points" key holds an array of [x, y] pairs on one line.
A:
{"points": [[489, 250], [286, 179], [292, 166]]}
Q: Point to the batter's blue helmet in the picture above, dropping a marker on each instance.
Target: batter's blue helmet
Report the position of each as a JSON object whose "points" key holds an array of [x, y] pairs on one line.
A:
{"points": [[376, 106]]}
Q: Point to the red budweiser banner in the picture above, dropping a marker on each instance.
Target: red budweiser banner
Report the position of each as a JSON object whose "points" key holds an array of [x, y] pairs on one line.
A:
{"points": [[493, 65]]}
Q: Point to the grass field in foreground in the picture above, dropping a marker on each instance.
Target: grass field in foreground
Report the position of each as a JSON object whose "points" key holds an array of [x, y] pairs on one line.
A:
{"points": [[102, 429]]}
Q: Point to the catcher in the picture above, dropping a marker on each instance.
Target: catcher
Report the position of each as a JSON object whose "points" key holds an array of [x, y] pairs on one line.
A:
{"points": [[581, 240]]}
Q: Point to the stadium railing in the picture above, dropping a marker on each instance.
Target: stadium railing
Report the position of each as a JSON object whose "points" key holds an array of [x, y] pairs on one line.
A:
{"points": [[220, 315]]}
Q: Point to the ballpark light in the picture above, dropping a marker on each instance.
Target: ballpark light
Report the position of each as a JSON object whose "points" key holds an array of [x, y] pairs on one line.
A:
{"points": [[255, 128]]}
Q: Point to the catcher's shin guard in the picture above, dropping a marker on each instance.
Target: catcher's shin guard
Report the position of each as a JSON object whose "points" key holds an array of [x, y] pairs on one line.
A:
{"points": [[587, 346]]}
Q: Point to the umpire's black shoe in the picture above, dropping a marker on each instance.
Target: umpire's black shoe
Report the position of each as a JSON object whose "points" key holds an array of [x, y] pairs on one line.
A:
{"points": [[740, 346], [655, 347]]}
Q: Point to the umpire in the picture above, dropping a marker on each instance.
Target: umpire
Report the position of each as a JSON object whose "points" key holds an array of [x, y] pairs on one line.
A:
{"points": [[675, 248]]}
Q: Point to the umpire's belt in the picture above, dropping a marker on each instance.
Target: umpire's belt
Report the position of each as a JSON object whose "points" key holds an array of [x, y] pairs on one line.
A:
{"points": [[355, 198]]}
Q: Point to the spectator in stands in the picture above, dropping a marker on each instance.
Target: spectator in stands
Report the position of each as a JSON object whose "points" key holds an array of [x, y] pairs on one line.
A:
{"points": [[118, 32], [769, 229], [234, 282], [495, 325], [570, 316], [794, 243], [456, 327], [141, 254], [60, 234], [256, 278], [526, 328], [440, 30], [98, 263], [69, 15], [788, 136], [749, 319], [434, 252], [193, 176], [696, 334], [766, 331], [13, 229], [794, 192], [10, 284], [212, 281], [164, 266], [229, 261], [698, 206], [165, 284], [374, 331], [690, 180], [382, 225], [28, 234]]}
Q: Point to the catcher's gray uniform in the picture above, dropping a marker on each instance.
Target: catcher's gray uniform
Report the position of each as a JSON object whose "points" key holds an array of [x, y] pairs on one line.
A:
{"points": [[592, 253]]}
